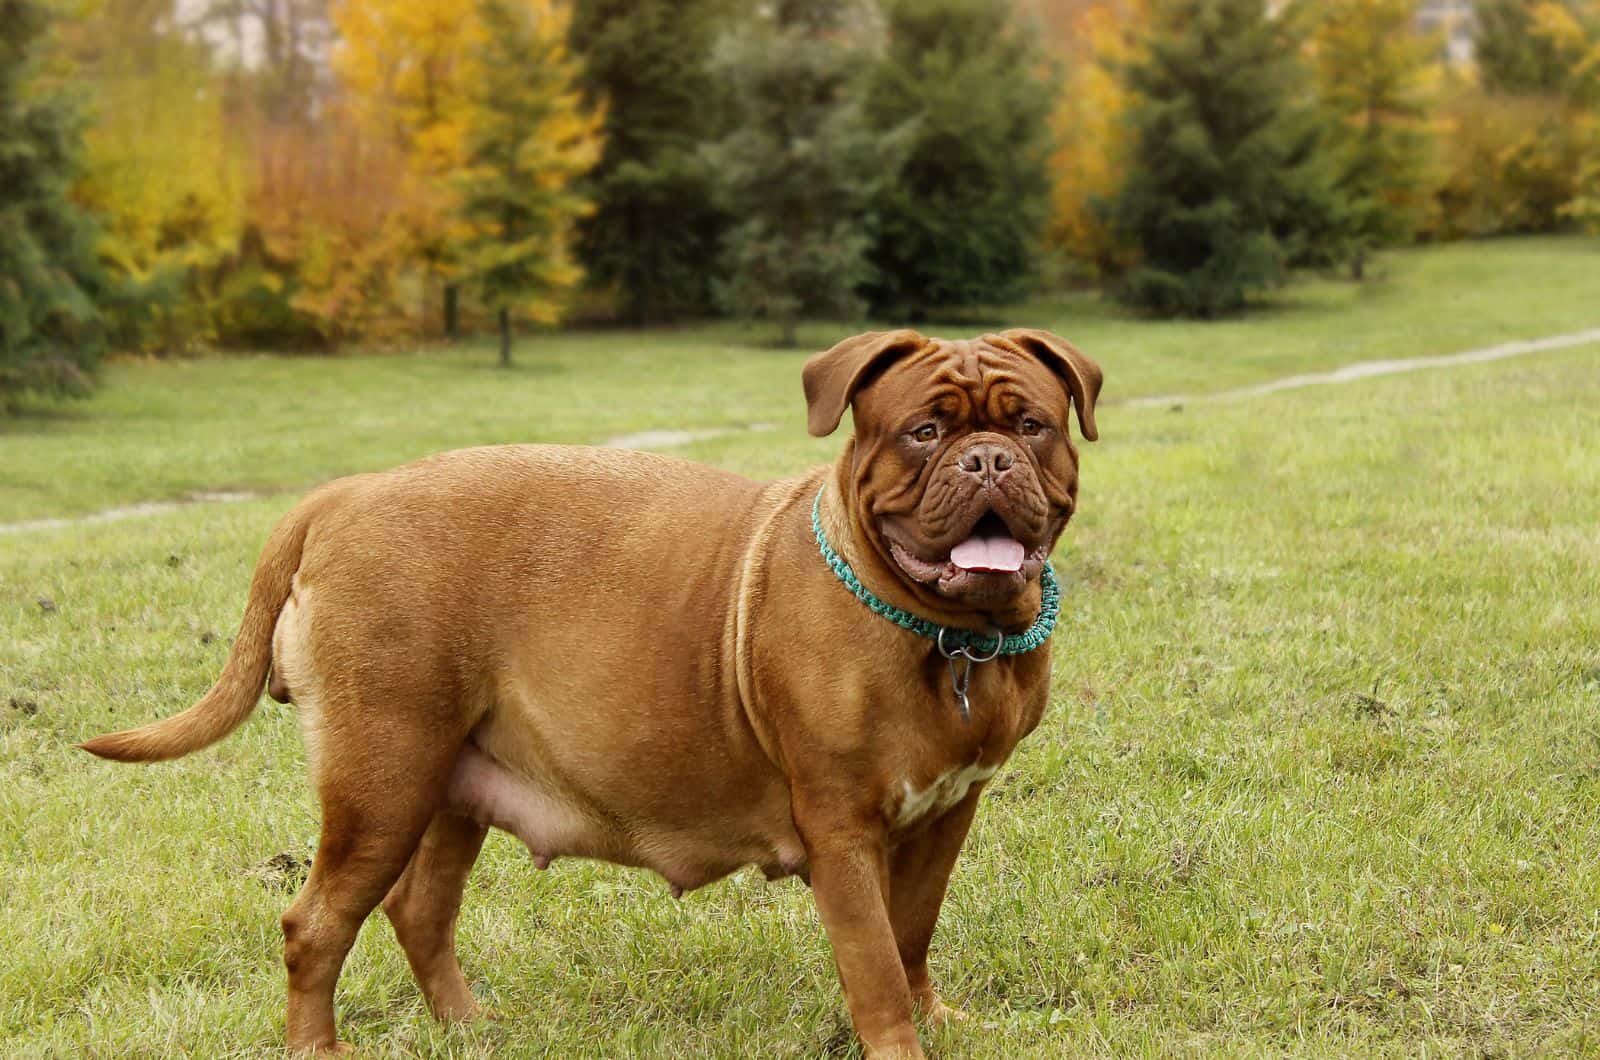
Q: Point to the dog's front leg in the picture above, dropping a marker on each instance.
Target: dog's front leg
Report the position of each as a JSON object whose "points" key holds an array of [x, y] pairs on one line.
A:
{"points": [[919, 872], [850, 879]]}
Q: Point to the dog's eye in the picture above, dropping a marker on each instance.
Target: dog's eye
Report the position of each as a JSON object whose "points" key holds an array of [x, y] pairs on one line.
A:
{"points": [[926, 433], [1032, 428]]}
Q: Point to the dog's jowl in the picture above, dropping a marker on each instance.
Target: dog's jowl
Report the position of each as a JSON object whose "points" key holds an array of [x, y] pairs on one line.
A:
{"points": [[623, 656]]}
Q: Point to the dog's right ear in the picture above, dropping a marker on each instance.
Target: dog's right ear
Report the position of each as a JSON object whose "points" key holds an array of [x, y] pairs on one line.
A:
{"points": [[831, 378]]}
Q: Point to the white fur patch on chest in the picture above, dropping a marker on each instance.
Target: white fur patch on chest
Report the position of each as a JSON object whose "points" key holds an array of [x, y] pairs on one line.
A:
{"points": [[947, 789]]}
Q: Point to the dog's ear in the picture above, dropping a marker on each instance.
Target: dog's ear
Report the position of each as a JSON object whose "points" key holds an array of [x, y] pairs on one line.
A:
{"points": [[1082, 376], [831, 378]]}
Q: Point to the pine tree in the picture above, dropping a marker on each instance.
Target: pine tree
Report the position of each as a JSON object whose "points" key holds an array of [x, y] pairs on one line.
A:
{"points": [[1374, 73], [801, 166], [1229, 181], [51, 331], [655, 227], [961, 225], [528, 139]]}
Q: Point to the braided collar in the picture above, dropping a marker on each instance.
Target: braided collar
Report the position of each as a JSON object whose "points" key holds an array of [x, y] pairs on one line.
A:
{"points": [[978, 643]]}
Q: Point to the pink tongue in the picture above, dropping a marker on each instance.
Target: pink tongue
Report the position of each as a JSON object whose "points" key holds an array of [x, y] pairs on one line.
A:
{"points": [[988, 553]]}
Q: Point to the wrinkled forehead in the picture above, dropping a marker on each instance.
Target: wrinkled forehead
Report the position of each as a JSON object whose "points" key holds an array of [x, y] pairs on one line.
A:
{"points": [[958, 376]]}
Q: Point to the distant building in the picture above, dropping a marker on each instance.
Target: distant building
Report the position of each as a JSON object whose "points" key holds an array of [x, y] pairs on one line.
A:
{"points": [[1452, 18]]}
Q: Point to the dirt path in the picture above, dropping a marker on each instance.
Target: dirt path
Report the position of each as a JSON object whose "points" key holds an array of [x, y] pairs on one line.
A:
{"points": [[1351, 373], [669, 439], [130, 511]]}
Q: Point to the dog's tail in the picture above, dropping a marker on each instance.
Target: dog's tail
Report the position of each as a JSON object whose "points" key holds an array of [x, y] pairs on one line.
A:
{"points": [[237, 690]]}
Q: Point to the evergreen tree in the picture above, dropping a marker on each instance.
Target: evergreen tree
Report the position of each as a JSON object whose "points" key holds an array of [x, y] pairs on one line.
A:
{"points": [[655, 227], [802, 164], [1373, 72], [51, 331], [961, 225], [1229, 181], [528, 139]]}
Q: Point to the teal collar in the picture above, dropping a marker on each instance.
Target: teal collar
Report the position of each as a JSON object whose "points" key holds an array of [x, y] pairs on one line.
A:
{"points": [[977, 646]]}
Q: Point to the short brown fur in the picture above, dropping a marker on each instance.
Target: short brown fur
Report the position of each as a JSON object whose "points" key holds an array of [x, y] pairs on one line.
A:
{"points": [[624, 656]]}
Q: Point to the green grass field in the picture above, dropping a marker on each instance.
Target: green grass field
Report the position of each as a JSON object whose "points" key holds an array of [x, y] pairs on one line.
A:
{"points": [[165, 429], [1321, 774]]}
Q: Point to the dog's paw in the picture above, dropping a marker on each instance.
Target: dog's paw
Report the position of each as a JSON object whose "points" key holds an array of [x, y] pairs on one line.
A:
{"points": [[937, 1013]]}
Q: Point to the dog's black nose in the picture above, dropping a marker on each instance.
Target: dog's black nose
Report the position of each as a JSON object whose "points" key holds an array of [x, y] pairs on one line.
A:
{"points": [[987, 460]]}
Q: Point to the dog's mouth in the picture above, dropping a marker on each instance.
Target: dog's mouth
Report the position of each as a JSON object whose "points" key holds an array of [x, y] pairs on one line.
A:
{"points": [[989, 562]]}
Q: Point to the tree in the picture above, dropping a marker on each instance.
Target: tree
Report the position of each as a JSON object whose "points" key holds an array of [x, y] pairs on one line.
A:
{"points": [[960, 226], [1229, 182], [162, 170], [800, 166], [326, 260], [655, 228], [527, 139], [1511, 164], [1539, 48], [1090, 161], [275, 53], [1524, 148], [51, 329], [403, 64], [1375, 75]]}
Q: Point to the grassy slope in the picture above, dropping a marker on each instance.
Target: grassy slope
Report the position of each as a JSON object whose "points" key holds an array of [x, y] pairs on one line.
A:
{"points": [[164, 429], [1321, 774]]}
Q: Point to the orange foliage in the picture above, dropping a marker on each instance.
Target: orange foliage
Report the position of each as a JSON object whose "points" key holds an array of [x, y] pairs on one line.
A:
{"points": [[402, 65], [1091, 154], [323, 203]]}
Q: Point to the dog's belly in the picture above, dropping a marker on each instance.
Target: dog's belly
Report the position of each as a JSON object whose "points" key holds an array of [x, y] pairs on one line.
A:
{"points": [[551, 825]]}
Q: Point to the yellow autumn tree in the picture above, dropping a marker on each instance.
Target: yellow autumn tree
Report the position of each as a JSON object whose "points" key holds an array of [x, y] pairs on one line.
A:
{"points": [[1376, 78], [1522, 143], [1091, 153], [402, 66], [162, 169], [527, 138], [1572, 33]]}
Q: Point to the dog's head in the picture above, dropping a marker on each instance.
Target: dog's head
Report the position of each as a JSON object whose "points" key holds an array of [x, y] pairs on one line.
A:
{"points": [[961, 474]]}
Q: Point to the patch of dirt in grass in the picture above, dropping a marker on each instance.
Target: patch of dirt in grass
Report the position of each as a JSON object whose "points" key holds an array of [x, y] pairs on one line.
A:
{"points": [[283, 871]]}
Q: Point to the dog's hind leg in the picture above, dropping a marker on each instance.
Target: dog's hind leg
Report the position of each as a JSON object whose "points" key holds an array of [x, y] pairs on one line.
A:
{"points": [[380, 789], [423, 906]]}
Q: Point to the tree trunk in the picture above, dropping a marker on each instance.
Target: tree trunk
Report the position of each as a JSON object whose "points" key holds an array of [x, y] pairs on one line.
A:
{"points": [[451, 312], [505, 337], [789, 340], [1358, 264]]}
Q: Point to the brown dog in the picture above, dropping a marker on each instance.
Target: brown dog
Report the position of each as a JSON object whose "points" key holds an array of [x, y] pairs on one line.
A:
{"points": [[623, 656]]}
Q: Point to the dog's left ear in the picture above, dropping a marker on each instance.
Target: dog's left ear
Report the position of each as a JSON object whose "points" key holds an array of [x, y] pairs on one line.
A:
{"points": [[1082, 376], [831, 378]]}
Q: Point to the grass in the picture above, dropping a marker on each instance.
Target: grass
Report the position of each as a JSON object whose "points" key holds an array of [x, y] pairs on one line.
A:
{"points": [[166, 429], [1321, 774]]}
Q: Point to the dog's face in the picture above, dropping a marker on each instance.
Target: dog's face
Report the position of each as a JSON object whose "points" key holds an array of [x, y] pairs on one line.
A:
{"points": [[962, 470]]}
